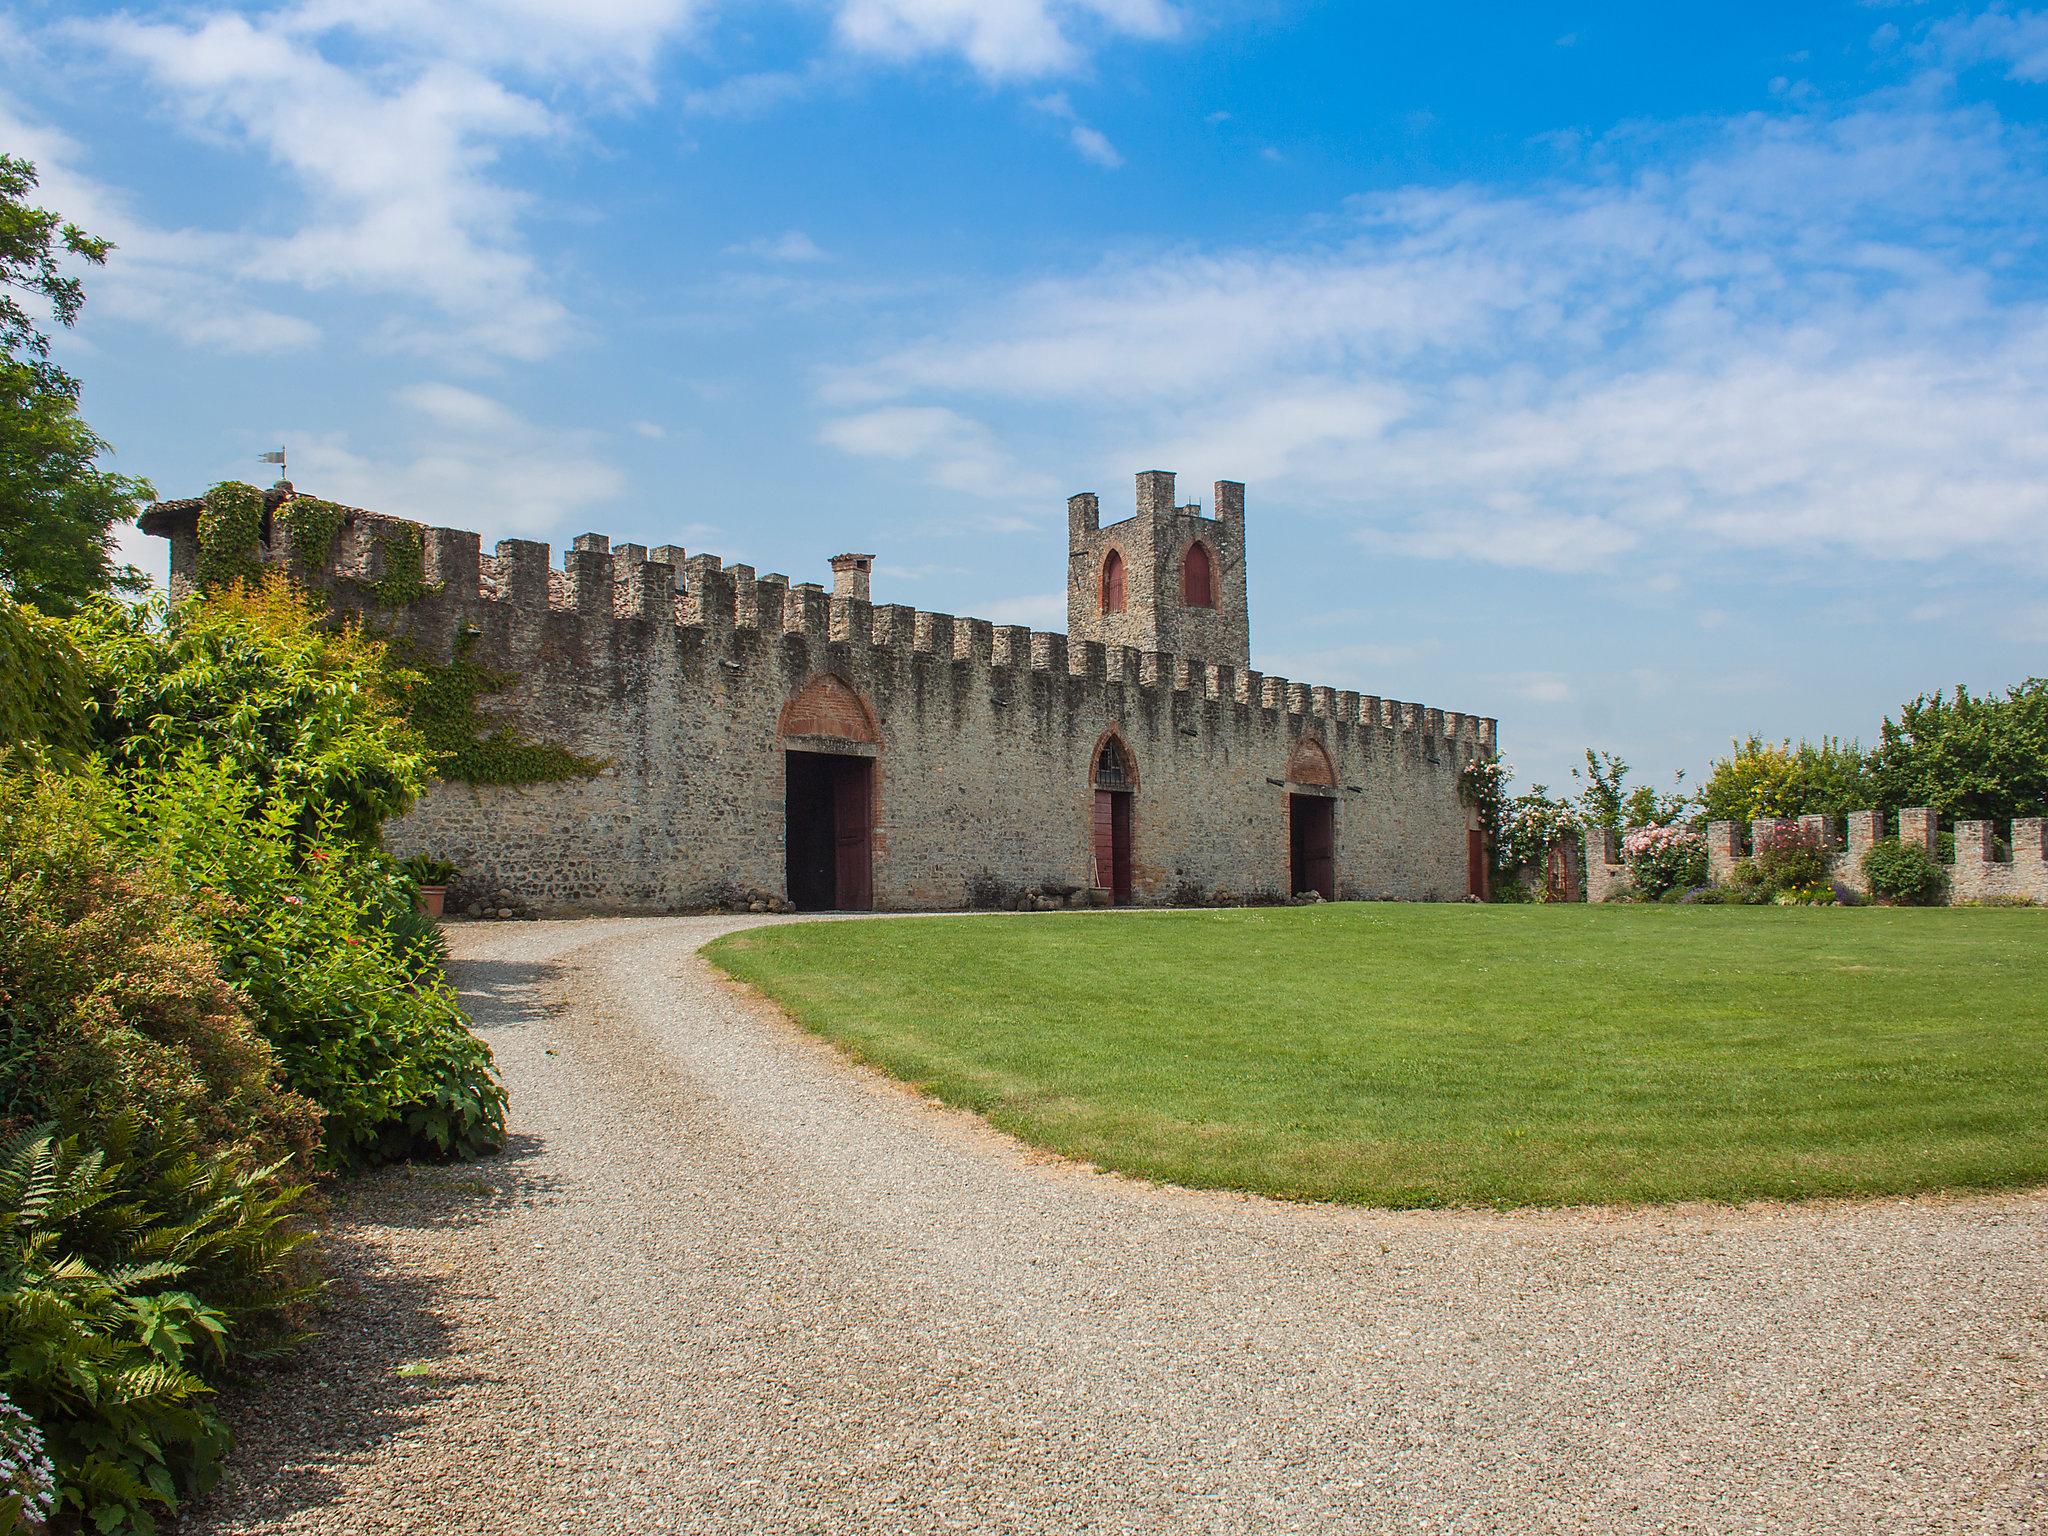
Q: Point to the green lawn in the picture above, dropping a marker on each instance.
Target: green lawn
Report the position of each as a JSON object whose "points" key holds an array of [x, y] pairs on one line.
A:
{"points": [[1457, 1055]]}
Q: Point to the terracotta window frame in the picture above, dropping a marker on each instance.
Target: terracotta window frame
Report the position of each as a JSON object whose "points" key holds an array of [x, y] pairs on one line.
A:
{"points": [[1113, 583]]}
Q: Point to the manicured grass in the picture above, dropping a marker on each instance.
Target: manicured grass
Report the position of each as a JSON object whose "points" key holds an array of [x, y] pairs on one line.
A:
{"points": [[1456, 1055]]}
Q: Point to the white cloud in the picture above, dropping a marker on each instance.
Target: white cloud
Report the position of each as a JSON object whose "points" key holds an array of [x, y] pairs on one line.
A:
{"points": [[1094, 145], [470, 458], [2018, 40], [954, 451], [170, 279], [1002, 39], [1090, 143], [394, 166], [791, 245], [1800, 334]]}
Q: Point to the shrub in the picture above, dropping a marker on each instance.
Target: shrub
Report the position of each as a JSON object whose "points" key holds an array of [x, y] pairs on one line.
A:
{"points": [[125, 1272], [321, 940], [425, 869], [1664, 858], [1902, 872], [256, 680], [42, 686], [111, 1001], [1788, 859]]}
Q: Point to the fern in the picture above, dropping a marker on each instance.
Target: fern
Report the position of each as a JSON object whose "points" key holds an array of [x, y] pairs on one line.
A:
{"points": [[126, 1272]]}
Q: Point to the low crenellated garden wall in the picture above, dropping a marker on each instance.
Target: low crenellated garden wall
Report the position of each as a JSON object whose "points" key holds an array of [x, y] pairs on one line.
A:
{"points": [[1981, 872]]}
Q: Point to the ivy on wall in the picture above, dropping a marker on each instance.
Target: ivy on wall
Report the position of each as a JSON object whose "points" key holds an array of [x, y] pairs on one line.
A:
{"points": [[313, 525], [441, 700], [230, 528]]}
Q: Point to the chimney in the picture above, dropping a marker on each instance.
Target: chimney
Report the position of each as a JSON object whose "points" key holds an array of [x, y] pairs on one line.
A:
{"points": [[850, 576]]}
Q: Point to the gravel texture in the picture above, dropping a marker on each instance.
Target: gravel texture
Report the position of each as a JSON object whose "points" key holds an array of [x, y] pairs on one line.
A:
{"points": [[722, 1281]]}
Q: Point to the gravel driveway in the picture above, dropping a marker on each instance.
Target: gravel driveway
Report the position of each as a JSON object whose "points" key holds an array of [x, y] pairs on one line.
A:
{"points": [[723, 1282]]}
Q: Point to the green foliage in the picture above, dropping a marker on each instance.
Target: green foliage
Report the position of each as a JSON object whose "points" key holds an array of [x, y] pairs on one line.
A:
{"points": [[256, 679], [442, 701], [230, 529], [1788, 865], [126, 1269], [425, 869], [405, 569], [33, 246], [1531, 824], [1665, 860], [1971, 758], [112, 1005], [42, 688], [316, 930], [313, 525], [1902, 873], [58, 508], [1607, 801], [1759, 780]]}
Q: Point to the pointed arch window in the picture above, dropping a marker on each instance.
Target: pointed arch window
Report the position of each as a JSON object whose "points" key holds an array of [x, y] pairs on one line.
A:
{"points": [[1113, 583], [1112, 769], [1198, 577]]}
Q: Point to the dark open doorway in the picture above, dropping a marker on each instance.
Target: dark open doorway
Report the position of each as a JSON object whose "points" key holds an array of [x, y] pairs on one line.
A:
{"points": [[1312, 846], [1113, 843], [829, 801]]}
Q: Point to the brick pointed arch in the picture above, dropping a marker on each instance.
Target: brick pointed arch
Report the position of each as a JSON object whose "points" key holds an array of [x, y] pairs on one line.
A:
{"points": [[1310, 764], [1123, 749], [828, 705]]}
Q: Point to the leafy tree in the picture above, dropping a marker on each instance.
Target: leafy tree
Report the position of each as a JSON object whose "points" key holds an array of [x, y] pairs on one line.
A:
{"points": [[1761, 779], [1970, 758], [256, 678], [58, 509], [1607, 801]]}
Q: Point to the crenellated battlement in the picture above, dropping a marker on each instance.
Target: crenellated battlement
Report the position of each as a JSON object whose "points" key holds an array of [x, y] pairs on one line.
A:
{"points": [[627, 583]]}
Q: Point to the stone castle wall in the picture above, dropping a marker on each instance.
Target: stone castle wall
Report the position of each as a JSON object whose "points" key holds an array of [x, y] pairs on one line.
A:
{"points": [[679, 672]]}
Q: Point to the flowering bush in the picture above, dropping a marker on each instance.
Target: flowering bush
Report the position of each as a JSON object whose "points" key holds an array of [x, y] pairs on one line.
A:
{"points": [[1789, 866], [28, 1483], [1664, 858]]}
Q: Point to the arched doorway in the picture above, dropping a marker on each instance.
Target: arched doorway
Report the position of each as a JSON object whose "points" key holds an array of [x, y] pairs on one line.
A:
{"points": [[1311, 821], [1114, 777], [829, 746]]}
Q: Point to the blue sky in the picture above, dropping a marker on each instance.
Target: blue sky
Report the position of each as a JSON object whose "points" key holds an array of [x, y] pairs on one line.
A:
{"points": [[1641, 375]]}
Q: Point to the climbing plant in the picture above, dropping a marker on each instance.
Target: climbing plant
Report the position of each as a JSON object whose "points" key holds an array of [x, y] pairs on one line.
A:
{"points": [[230, 527], [441, 699], [313, 525]]}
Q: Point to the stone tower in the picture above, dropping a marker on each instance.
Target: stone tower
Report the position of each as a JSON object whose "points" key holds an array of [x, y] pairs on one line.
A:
{"points": [[1166, 579]]}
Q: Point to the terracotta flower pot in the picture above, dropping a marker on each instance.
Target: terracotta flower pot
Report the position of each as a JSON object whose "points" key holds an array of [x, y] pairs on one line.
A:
{"points": [[431, 899]]}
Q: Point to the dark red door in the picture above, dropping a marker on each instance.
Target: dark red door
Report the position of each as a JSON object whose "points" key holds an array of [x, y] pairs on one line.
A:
{"points": [[1113, 844], [852, 840], [1475, 863], [1313, 839]]}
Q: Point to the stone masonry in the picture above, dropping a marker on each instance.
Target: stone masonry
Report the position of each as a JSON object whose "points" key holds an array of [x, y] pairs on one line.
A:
{"points": [[691, 680]]}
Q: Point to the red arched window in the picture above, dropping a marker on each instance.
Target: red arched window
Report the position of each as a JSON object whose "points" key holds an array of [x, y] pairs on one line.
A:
{"points": [[1198, 577], [1113, 583]]}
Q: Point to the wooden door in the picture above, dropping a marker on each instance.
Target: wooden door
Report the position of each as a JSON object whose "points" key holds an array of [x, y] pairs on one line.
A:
{"points": [[852, 834], [1557, 874], [1313, 839], [1475, 863], [1113, 844]]}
